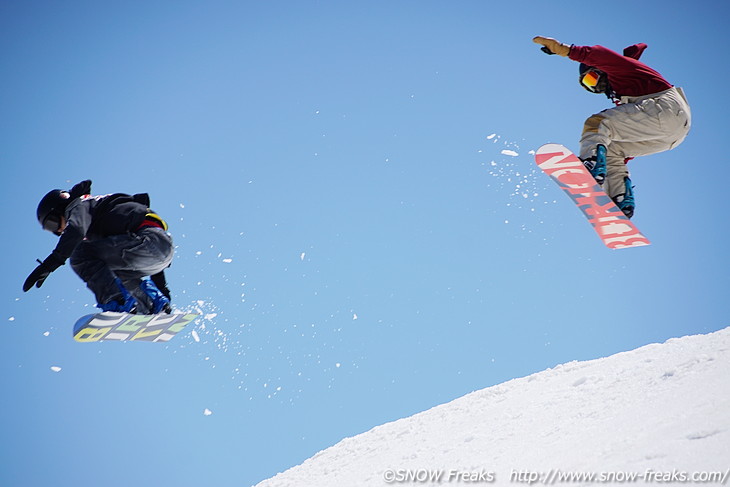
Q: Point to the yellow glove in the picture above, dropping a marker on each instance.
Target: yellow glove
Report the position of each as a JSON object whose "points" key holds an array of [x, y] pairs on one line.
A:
{"points": [[552, 45]]}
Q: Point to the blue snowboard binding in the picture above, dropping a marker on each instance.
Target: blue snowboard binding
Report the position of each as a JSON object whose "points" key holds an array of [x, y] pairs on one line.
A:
{"points": [[159, 302], [124, 303], [149, 300], [596, 164], [625, 202]]}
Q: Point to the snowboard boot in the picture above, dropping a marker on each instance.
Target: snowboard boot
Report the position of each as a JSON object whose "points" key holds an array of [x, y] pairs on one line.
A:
{"points": [[596, 164], [625, 201], [123, 303], [157, 302]]}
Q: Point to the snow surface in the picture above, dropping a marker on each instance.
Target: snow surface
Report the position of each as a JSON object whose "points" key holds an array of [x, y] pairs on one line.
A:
{"points": [[660, 409]]}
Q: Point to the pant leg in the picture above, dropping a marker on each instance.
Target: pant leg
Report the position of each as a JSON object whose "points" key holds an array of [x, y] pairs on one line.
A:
{"points": [[152, 256], [128, 257], [151, 252], [635, 129], [88, 261], [616, 172]]}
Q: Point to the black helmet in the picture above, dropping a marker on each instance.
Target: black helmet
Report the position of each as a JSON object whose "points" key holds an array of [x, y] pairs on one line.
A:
{"points": [[593, 80], [51, 209]]}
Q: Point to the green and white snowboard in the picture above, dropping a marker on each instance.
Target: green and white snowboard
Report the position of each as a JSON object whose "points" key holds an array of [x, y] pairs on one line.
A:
{"points": [[111, 326]]}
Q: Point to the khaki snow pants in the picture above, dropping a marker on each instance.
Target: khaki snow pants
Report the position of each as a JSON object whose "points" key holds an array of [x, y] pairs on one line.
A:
{"points": [[638, 127]]}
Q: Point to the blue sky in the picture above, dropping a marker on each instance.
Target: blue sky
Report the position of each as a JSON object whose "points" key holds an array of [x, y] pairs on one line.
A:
{"points": [[345, 218]]}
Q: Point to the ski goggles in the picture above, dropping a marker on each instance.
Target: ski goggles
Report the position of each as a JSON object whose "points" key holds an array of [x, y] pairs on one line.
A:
{"points": [[52, 223], [590, 79]]}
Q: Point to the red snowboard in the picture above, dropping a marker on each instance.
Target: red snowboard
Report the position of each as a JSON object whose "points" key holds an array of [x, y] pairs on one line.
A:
{"points": [[564, 167]]}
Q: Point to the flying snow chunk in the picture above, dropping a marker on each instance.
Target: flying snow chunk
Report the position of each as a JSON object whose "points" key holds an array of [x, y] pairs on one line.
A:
{"points": [[227, 261], [56, 368], [12, 318], [195, 336], [490, 137], [508, 152], [207, 412]]}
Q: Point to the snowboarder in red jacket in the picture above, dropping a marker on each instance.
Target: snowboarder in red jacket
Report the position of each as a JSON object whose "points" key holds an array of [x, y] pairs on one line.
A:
{"points": [[651, 115]]}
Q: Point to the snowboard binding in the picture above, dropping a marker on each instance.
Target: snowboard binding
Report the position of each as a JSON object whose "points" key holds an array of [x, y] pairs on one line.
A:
{"points": [[625, 201], [596, 164], [124, 303]]}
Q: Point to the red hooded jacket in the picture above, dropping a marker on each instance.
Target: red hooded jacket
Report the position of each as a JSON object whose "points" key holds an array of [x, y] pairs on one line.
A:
{"points": [[626, 74]]}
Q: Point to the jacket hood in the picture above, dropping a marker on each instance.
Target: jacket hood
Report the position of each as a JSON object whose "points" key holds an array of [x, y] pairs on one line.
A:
{"points": [[635, 51]]}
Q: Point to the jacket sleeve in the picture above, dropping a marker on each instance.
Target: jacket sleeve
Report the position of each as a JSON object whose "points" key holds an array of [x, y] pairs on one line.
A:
{"points": [[78, 219], [599, 57]]}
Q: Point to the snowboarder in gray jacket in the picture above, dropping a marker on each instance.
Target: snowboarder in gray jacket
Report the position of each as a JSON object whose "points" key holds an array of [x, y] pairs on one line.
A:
{"points": [[113, 242], [651, 115]]}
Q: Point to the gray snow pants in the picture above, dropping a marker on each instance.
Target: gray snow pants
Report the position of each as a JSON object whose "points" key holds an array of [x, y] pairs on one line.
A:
{"points": [[130, 257], [638, 127]]}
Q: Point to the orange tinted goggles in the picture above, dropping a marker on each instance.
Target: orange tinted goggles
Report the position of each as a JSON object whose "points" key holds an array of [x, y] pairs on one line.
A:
{"points": [[590, 79]]}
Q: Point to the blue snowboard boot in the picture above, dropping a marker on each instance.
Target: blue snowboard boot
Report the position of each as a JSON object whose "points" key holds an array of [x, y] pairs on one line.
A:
{"points": [[159, 303], [597, 164], [124, 303], [625, 201]]}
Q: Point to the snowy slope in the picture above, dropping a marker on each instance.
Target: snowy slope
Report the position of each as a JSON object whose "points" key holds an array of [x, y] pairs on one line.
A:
{"points": [[662, 409]]}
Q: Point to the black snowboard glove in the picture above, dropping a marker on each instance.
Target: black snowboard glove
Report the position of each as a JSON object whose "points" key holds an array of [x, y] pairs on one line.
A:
{"points": [[39, 275]]}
